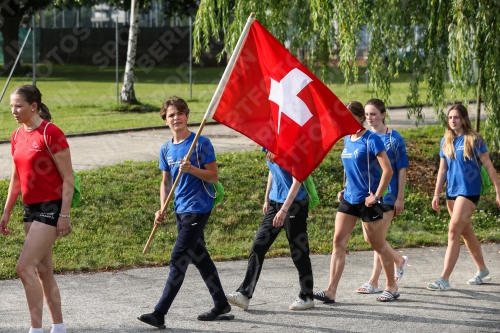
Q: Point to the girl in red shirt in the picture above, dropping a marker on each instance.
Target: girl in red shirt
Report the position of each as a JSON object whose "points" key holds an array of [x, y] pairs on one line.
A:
{"points": [[45, 179]]}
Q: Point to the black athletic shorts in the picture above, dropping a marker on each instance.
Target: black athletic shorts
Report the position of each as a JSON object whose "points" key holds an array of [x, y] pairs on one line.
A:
{"points": [[45, 212], [473, 198], [367, 214]]}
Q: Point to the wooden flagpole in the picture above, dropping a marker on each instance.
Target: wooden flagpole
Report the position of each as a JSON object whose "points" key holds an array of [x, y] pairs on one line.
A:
{"points": [[210, 110]]}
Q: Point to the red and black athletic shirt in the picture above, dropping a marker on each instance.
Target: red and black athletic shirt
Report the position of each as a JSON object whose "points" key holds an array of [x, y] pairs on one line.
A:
{"points": [[37, 172]]}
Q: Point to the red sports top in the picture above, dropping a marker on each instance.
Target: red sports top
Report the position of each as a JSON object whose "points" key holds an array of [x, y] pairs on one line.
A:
{"points": [[38, 174]]}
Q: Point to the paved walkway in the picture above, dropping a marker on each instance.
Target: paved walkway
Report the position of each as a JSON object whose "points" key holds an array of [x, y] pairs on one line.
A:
{"points": [[110, 302]]}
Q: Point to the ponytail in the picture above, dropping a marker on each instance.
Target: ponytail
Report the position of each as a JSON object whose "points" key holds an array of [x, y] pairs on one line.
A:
{"points": [[44, 113]]}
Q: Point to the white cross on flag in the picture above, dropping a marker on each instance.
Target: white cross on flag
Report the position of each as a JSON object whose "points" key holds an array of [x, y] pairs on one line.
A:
{"points": [[273, 99]]}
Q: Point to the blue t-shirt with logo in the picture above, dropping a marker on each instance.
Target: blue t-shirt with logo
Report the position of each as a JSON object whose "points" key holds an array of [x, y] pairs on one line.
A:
{"points": [[395, 147], [354, 158], [463, 176], [191, 192], [281, 184]]}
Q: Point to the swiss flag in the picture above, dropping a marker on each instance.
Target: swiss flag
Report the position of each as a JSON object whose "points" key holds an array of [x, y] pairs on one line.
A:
{"points": [[273, 99]]}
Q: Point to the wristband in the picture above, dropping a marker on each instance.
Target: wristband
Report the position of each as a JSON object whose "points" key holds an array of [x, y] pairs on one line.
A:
{"points": [[64, 216], [376, 198], [286, 212]]}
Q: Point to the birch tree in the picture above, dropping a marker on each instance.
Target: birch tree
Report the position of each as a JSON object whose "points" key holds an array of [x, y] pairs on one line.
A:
{"points": [[127, 94], [438, 42]]}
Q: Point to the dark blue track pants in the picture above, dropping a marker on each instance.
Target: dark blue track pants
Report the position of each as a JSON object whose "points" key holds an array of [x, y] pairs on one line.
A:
{"points": [[190, 247]]}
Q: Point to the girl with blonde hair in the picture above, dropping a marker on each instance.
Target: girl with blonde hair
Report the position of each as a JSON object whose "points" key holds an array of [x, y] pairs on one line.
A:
{"points": [[462, 153]]}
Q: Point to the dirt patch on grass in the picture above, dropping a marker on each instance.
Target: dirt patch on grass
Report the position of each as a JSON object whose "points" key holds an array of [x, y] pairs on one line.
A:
{"points": [[422, 172]]}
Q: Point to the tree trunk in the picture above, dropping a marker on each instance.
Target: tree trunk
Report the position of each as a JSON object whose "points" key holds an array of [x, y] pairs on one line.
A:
{"points": [[478, 102], [10, 32], [127, 94]]}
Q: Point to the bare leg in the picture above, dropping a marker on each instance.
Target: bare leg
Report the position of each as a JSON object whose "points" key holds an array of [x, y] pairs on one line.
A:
{"points": [[377, 266], [344, 224], [376, 232], [460, 211], [377, 269], [39, 240], [473, 246], [398, 259], [45, 271]]}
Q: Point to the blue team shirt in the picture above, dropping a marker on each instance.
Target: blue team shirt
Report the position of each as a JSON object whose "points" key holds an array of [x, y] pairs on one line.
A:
{"points": [[354, 158], [463, 177], [281, 184], [396, 151], [191, 192]]}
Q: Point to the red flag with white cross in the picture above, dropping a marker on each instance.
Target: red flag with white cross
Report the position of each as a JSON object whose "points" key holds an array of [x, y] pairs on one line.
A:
{"points": [[273, 99]]}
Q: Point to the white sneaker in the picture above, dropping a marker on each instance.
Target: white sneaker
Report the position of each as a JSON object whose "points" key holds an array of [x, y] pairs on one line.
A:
{"points": [[238, 299], [300, 304]]}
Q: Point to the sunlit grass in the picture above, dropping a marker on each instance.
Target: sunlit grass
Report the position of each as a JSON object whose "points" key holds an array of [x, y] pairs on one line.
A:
{"points": [[114, 219], [84, 98]]}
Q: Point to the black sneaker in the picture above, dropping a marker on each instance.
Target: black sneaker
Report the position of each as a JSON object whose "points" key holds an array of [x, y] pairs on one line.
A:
{"points": [[215, 312], [153, 320]]}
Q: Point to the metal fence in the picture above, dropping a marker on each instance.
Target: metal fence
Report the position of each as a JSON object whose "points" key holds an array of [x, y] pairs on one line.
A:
{"points": [[83, 65]]}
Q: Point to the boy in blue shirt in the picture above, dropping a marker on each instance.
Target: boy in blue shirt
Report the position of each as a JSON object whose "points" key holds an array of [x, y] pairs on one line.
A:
{"points": [[193, 204]]}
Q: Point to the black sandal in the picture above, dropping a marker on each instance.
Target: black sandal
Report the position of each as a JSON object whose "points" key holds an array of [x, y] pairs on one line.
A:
{"points": [[321, 296]]}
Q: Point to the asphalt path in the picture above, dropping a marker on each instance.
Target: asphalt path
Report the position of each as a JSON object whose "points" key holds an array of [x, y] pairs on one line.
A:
{"points": [[111, 301]]}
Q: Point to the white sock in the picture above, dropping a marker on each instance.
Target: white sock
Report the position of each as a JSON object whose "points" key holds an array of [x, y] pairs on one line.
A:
{"points": [[58, 328], [36, 330]]}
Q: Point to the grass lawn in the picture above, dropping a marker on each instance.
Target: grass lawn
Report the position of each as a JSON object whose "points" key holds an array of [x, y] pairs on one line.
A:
{"points": [[114, 219], [83, 98]]}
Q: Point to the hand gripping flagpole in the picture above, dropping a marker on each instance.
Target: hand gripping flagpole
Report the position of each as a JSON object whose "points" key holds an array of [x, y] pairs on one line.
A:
{"points": [[210, 110]]}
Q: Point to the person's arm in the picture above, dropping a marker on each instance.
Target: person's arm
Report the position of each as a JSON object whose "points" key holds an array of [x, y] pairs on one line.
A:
{"points": [[492, 173], [165, 187], [399, 205], [340, 195], [209, 174], [387, 173], [441, 178], [401, 164], [279, 218], [12, 194], [63, 161], [265, 207]]}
